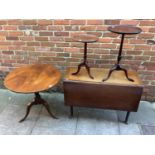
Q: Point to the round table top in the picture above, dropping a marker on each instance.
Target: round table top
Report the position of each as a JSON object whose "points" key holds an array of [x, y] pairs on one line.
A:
{"points": [[32, 78], [85, 38], [124, 29]]}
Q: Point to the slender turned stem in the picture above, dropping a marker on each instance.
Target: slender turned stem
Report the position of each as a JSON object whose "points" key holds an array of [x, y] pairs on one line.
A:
{"points": [[85, 52], [117, 65], [84, 63], [120, 49], [37, 95]]}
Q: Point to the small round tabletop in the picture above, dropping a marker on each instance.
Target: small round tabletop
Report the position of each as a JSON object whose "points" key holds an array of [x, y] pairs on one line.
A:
{"points": [[32, 78], [85, 38], [125, 29]]}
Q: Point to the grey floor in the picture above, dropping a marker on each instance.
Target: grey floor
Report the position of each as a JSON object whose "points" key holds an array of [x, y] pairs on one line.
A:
{"points": [[86, 121]]}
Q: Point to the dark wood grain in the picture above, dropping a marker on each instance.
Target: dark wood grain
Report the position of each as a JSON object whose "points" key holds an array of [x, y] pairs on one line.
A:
{"points": [[32, 78], [124, 29]]}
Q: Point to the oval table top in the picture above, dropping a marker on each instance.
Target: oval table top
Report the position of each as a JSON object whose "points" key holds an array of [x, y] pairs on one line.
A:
{"points": [[32, 78], [85, 38], [125, 29]]}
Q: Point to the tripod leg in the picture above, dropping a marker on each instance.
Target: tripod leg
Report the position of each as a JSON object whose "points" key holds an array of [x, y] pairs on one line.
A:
{"points": [[109, 74], [79, 67], [126, 74], [27, 110], [46, 105], [88, 70]]}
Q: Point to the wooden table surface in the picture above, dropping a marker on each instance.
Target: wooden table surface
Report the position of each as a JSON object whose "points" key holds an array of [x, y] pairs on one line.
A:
{"points": [[117, 77], [32, 78], [85, 38], [125, 29]]}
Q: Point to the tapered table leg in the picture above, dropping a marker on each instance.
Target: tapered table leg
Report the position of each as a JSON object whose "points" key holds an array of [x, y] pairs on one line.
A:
{"points": [[46, 105], [109, 74], [127, 117], [71, 111], [27, 111], [78, 70], [37, 100], [87, 68], [126, 74]]}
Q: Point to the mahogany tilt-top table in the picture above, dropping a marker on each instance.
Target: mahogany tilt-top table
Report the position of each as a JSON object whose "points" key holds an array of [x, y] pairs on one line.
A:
{"points": [[33, 79], [123, 30], [84, 38]]}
